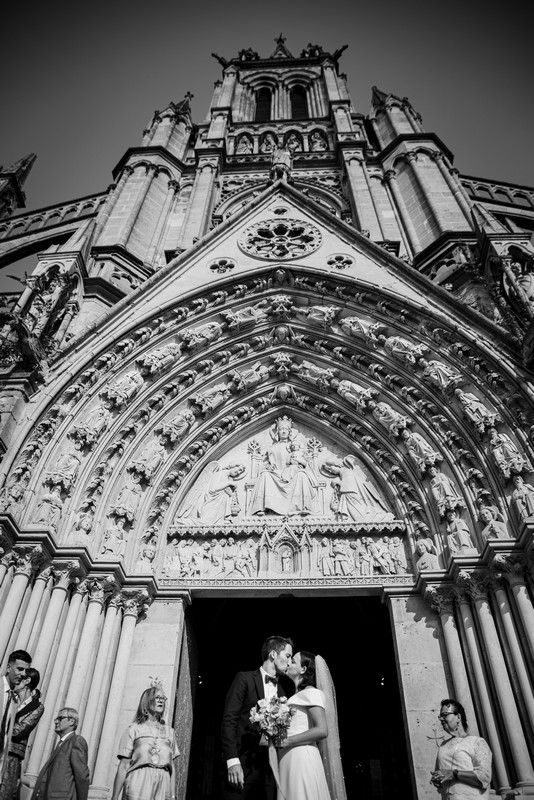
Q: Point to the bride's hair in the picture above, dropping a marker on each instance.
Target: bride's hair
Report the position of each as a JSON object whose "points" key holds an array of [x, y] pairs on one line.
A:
{"points": [[307, 660]]}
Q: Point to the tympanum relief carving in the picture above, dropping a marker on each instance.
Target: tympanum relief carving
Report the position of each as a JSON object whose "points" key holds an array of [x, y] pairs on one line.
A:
{"points": [[284, 503]]}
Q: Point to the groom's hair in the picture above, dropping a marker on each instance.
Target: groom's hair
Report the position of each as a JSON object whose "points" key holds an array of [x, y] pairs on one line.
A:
{"points": [[276, 643]]}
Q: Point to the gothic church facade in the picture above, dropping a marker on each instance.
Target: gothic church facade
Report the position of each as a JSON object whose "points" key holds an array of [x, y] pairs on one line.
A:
{"points": [[286, 354]]}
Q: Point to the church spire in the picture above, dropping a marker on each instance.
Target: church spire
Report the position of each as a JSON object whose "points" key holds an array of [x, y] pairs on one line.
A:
{"points": [[12, 180], [281, 51]]}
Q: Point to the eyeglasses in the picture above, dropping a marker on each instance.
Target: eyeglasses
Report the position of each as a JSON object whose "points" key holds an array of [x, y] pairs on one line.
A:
{"points": [[161, 697], [448, 714], [58, 719]]}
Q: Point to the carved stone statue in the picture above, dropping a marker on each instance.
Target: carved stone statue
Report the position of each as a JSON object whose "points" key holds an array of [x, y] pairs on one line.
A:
{"points": [[250, 377], [523, 497], [404, 350], [124, 389], [268, 144], [246, 317], [128, 499], [427, 560], [114, 542], [396, 552], [96, 422], [50, 508], [475, 410], [158, 361], [149, 460], [64, 471], [175, 430], [317, 142], [369, 331], [324, 316], [318, 376], [388, 417], [353, 393], [458, 535], [147, 554], [444, 491], [213, 499], [355, 497], [203, 335], [325, 560], [343, 561], [419, 450], [280, 163], [244, 145], [440, 374], [287, 484], [494, 528], [505, 453], [293, 143], [212, 398]]}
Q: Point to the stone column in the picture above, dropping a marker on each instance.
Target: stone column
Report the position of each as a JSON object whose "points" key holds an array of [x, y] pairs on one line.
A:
{"points": [[199, 207], [391, 180], [133, 604], [454, 185], [361, 194], [512, 571], [63, 576], [129, 223], [477, 588], [97, 588], [515, 648], [442, 600], [5, 563], [468, 623], [173, 188], [25, 560], [411, 159], [44, 731], [101, 674], [30, 615], [110, 202]]}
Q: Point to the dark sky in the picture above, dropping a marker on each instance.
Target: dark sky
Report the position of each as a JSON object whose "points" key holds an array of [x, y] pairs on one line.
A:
{"points": [[81, 80]]}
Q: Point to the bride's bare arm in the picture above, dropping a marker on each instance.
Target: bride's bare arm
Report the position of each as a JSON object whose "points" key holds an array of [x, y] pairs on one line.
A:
{"points": [[317, 731]]}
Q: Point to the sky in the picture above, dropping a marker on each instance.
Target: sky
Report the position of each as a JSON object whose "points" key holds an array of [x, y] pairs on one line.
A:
{"points": [[81, 80]]}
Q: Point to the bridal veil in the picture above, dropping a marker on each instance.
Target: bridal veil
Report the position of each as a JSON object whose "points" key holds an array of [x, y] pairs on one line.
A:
{"points": [[329, 747]]}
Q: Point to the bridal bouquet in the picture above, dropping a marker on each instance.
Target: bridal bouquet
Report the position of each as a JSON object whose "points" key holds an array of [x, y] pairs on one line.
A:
{"points": [[273, 718]]}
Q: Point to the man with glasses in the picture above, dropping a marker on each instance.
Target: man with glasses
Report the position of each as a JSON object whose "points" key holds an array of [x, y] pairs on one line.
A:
{"points": [[17, 664], [66, 773]]}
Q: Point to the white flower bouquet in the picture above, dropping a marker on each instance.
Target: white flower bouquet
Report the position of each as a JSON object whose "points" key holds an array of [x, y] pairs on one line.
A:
{"points": [[273, 718]]}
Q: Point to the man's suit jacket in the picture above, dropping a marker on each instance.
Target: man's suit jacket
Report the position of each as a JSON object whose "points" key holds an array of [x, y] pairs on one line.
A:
{"points": [[10, 719], [65, 776]]}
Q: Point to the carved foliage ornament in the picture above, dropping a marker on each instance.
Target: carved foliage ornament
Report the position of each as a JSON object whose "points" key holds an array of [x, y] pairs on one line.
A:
{"points": [[280, 239]]}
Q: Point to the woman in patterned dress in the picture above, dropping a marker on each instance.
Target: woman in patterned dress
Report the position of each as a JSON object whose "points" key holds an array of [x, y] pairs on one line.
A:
{"points": [[146, 752]]}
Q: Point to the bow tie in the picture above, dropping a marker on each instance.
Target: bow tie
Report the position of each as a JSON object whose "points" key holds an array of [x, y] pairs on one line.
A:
{"points": [[270, 679]]}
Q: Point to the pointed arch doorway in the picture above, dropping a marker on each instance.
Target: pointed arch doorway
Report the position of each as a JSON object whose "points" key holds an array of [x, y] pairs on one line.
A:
{"points": [[353, 634]]}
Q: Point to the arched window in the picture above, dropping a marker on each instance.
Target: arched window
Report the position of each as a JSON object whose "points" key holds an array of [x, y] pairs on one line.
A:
{"points": [[299, 107], [263, 105]]}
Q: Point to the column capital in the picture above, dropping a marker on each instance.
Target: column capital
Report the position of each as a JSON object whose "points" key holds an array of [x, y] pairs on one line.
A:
{"points": [[28, 559], [390, 175], [65, 573], [100, 588], [511, 568], [436, 155], [134, 602], [7, 558], [410, 157], [476, 584], [441, 600]]}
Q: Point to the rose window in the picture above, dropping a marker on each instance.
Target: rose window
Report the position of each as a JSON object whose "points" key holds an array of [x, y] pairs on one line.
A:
{"points": [[279, 239]]}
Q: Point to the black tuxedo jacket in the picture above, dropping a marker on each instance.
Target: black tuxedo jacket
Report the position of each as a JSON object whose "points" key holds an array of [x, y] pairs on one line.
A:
{"points": [[65, 776]]}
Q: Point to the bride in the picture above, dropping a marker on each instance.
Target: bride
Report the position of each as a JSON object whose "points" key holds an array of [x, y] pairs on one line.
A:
{"points": [[309, 762]]}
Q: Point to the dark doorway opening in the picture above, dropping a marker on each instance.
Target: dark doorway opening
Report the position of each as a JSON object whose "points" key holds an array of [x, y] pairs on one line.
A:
{"points": [[353, 634]]}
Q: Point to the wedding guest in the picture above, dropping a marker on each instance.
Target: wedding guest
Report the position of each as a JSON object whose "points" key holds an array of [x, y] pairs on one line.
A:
{"points": [[17, 664], [463, 763], [65, 774], [146, 752], [29, 711]]}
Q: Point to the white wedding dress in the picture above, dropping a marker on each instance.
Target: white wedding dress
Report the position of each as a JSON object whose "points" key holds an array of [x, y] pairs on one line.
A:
{"points": [[301, 771]]}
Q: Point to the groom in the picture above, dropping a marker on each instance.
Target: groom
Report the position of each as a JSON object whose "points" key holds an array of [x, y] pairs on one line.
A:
{"points": [[249, 775]]}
